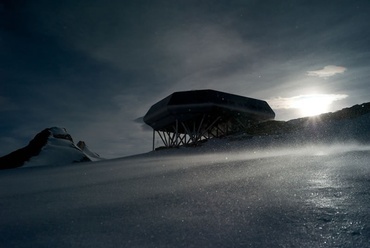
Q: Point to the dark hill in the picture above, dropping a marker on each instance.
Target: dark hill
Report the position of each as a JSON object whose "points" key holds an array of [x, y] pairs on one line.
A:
{"points": [[296, 125], [52, 146], [18, 157]]}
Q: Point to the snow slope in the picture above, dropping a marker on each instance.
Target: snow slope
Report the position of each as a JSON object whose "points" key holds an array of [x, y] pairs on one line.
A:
{"points": [[307, 197]]}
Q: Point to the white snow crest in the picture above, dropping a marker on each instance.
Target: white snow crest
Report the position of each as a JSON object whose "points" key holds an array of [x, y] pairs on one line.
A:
{"points": [[58, 150]]}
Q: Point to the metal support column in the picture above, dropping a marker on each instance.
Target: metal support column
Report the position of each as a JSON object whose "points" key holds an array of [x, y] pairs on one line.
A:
{"points": [[153, 139]]}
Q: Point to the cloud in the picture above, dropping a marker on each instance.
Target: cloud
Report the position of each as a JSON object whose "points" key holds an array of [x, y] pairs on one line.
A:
{"points": [[204, 47], [296, 102], [327, 71]]}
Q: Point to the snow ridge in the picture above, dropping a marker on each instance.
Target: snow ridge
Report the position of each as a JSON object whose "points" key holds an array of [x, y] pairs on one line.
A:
{"points": [[52, 146]]}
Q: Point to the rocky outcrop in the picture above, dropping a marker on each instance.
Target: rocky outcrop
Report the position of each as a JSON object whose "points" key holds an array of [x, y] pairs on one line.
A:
{"points": [[81, 145], [52, 146], [85, 149], [18, 157]]}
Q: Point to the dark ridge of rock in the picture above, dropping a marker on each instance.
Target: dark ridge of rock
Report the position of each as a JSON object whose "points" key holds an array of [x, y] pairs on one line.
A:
{"points": [[282, 127], [81, 145], [18, 157], [85, 149]]}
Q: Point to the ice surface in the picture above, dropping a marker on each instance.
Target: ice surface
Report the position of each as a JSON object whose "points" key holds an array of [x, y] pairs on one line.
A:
{"points": [[306, 197]]}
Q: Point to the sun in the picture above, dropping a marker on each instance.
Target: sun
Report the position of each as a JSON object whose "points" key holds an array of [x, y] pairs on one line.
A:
{"points": [[308, 104], [314, 104]]}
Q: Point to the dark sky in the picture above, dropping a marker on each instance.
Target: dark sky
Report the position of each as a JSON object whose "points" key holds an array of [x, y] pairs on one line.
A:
{"points": [[95, 66]]}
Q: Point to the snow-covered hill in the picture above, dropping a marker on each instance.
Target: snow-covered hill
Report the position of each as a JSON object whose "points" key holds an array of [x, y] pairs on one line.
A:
{"points": [[52, 146]]}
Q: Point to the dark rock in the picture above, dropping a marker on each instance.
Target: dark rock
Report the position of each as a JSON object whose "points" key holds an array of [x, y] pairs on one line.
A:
{"points": [[55, 152], [20, 156], [81, 145]]}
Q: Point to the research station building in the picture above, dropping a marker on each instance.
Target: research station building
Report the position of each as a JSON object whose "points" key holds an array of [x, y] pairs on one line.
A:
{"points": [[189, 117]]}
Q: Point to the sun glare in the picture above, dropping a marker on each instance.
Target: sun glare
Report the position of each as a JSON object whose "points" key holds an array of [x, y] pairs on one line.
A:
{"points": [[311, 105], [307, 105]]}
